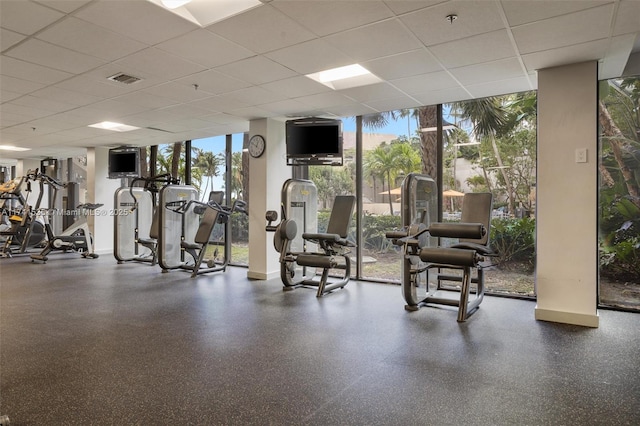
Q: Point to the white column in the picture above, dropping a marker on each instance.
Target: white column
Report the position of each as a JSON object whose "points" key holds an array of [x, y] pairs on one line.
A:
{"points": [[567, 189], [267, 174], [101, 190]]}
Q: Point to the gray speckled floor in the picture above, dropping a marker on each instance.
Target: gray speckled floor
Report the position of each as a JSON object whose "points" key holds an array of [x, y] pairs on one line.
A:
{"points": [[91, 342]]}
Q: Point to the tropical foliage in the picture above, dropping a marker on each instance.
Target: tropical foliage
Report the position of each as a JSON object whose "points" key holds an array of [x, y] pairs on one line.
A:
{"points": [[619, 117]]}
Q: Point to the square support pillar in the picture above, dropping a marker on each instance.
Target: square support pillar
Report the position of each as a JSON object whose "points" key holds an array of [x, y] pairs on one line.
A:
{"points": [[267, 174], [567, 191]]}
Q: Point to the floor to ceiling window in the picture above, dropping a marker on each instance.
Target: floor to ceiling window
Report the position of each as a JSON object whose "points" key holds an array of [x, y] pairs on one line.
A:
{"points": [[489, 145], [619, 197]]}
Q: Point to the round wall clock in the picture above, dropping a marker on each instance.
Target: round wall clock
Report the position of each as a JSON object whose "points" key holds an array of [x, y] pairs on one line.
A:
{"points": [[257, 145]]}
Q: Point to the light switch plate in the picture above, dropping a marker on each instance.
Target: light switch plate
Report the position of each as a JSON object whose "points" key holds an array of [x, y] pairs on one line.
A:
{"points": [[581, 155]]}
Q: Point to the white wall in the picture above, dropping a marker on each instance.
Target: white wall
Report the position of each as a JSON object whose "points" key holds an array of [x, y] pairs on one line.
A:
{"points": [[567, 238]]}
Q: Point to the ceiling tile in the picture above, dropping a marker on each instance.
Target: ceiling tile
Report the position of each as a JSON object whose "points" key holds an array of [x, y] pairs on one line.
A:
{"points": [[349, 110], [375, 40], [205, 48], [523, 12], [55, 57], [25, 17], [432, 27], [628, 18], [489, 71], [18, 85], [212, 82], [253, 113], [325, 100], [564, 30], [296, 86], [32, 72], [89, 85], [406, 64], [435, 97], [329, 17], [482, 48], [400, 7], [500, 87], [50, 105], [9, 38], [393, 104], [159, 63], [221, 103], [285, 107], [372, 92], [425, 82], [146, 100], [139, 20], [256, 96], [6, 95], [66, 6], [90, 39], [177, 91], [309, 57], [262, 29], [256, 70]]}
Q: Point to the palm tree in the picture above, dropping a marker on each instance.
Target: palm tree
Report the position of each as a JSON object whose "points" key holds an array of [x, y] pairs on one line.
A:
{"points": [[208, 163], [175, 159], [380, 161], [627, 93], [489, 117], [236, 175]]}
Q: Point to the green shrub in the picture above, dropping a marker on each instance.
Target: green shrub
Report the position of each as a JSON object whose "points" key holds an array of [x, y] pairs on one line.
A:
{"points": [[514, 240]]}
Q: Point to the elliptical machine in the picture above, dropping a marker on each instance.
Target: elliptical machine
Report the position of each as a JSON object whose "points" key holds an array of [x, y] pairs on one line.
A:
{"points": [[76, 237], [21, 227]]}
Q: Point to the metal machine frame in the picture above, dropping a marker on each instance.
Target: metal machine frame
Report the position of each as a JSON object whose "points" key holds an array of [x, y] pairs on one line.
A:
{"points": [[302, 254]]}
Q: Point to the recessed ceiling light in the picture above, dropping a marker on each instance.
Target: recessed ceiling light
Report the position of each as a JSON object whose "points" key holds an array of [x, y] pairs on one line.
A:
{"points": [[172, 4], [345, 77], [13, 148], [206, 12], [116, 127]]}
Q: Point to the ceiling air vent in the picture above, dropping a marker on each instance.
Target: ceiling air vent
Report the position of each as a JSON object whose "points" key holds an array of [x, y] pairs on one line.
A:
{"points": [[124, 78]]}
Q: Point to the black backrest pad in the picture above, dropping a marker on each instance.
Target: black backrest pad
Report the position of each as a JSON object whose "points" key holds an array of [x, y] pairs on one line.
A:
{"points": [[207, 223], [341, 213], [476, 208]]}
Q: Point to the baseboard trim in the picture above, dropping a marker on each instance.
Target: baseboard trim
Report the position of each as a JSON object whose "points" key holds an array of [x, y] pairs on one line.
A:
{"points": [[253, 275], [568, 317]]}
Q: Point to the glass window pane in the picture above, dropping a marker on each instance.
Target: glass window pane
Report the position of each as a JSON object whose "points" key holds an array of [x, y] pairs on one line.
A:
{"points": [[619, 198]]}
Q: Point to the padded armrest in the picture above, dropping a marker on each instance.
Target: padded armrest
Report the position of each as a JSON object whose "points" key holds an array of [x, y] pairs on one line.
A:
{"points": [[457, 230], [326, 238], [396, 235], [480, 248], [321, 237]]}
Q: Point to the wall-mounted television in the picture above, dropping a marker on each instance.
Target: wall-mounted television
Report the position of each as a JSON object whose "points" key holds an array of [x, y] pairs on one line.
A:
{"points": [[314, 141], [124, 162]]}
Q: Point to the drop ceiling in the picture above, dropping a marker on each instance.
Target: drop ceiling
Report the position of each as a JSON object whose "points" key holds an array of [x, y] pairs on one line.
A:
{"points": [[197, 82]]}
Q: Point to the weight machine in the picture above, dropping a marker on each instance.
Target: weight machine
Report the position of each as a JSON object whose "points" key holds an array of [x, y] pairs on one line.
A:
{"points": [[211, 213], [302, 254], [421, 253], [136, 219]]}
